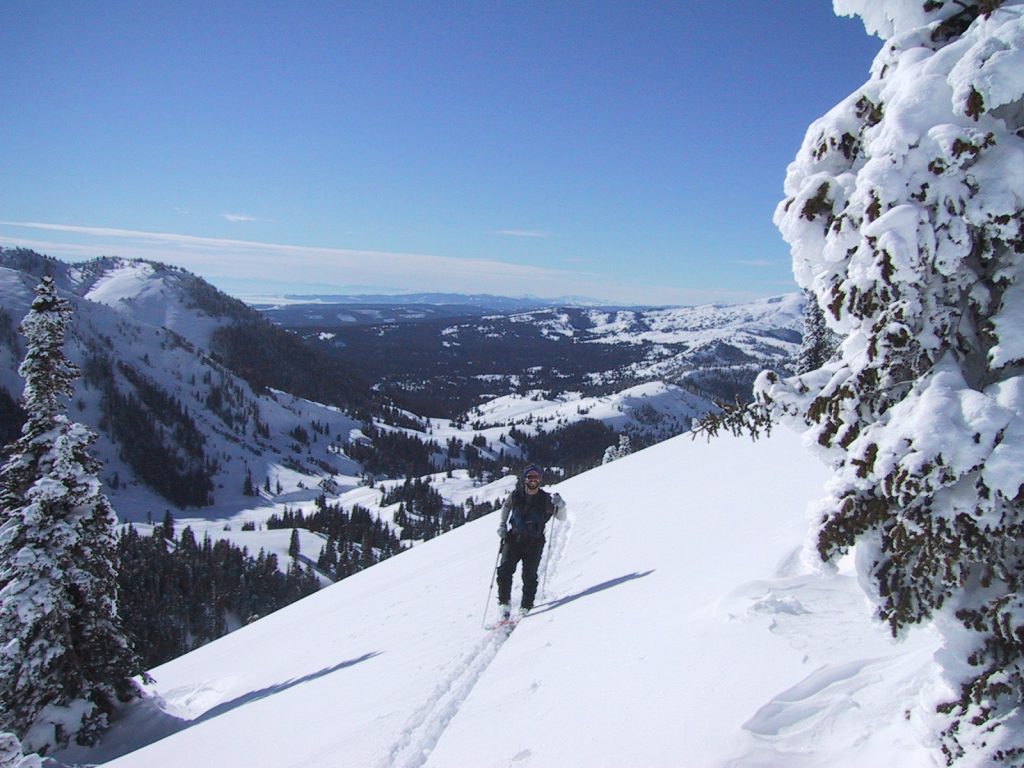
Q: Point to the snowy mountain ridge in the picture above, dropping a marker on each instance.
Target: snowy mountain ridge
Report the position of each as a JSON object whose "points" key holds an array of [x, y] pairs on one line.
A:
{"points": [[138, 333], [762, 317], [763, 333]]}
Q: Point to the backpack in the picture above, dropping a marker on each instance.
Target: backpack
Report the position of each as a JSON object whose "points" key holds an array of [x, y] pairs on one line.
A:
{"points": [[529, 515]]}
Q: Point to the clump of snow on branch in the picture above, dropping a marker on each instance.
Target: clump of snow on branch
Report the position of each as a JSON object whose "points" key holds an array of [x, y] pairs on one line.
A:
{"points": [[11, 755]]}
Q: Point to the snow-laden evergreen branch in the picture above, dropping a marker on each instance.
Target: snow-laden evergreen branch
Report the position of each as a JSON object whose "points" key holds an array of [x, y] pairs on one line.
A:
{"points": [[905, 214]]}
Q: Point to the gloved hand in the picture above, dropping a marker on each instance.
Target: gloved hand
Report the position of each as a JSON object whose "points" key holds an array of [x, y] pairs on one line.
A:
{"points": [[558, 501], [502, 530]]}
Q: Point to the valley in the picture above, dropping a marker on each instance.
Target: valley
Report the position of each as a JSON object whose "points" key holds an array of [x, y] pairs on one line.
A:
{"points": [[219, 427], [445, 360]]}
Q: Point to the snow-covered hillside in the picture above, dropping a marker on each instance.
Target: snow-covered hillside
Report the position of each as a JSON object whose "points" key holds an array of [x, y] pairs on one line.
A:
{"points": [[654, 408], [693, 325], [678, 626], [144, 292], [765, 331], [136, 332]]}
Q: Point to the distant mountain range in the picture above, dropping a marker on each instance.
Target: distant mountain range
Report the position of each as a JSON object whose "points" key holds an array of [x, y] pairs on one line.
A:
{"points": [[477, 302], [203, 402], [443, 359]]}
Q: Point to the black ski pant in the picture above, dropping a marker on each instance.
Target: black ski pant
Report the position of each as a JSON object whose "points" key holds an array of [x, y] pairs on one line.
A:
{"points": [[513, 551]]}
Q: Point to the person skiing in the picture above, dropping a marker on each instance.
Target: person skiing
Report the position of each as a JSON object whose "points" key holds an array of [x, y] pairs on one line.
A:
{"points": [[524, 516]]}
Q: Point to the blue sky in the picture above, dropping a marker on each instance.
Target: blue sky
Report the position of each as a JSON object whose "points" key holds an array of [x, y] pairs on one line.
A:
{"points": [[626, 151]]}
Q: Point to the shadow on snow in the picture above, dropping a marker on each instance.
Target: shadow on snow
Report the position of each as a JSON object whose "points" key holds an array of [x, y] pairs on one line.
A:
{"points": [[145, 722], [553, 604], [252, 696]]}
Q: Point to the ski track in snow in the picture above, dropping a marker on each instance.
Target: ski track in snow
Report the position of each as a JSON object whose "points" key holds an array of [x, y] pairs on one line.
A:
{"points": [[424, 729], [421, 734]]}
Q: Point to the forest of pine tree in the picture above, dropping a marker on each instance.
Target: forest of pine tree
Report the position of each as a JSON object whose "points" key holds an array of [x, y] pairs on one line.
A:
{"points": [[178, 594], [422, 512], [574, 448], [175, 466], [392, 453], [354, 539], [267, 356]]}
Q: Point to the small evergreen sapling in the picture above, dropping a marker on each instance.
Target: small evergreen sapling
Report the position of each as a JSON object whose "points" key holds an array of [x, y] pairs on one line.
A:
{"points": [[615, 452]]}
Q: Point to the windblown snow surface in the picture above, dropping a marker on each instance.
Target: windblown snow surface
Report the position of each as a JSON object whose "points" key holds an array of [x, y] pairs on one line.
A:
{"points": [[680, 623]]}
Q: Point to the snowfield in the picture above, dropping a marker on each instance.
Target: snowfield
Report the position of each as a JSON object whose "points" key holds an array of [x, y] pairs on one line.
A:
{"points": [[679, 624]]}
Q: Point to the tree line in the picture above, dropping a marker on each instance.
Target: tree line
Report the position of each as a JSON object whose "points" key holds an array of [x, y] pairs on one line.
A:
{"points": [[354, 540], [177, 594]]}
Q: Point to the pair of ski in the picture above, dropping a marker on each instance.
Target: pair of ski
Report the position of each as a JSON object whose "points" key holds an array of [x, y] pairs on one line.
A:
{"points": [[502, 624], [508, 623]]}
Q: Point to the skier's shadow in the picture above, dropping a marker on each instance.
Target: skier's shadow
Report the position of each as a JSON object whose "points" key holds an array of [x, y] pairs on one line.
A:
{"points": [[147, 722], [252, 696], [552, 605]]}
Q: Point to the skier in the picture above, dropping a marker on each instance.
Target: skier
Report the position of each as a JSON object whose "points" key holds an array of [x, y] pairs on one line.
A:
{"points": [[524, 516]]}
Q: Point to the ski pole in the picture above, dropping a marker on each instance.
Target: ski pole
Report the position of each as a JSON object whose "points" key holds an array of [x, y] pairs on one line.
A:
{"points": [[547, 559], [483, 622]]}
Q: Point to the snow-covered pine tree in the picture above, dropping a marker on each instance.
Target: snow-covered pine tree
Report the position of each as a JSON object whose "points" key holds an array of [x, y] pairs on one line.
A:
{"points": [[615, 452], [625, 448], [819, 343], [64, 659], [904, 211]]}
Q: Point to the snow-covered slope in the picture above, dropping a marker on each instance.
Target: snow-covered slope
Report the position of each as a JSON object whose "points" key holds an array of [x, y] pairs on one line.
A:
{"points": [[654, 408], [152, 295], [677, 626], [739, 323], [763, 332], [139, 333]]}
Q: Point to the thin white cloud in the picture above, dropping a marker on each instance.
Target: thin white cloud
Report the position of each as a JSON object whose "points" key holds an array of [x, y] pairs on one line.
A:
{"points": [[280, 264], [241, 217], [756, 263], [520, 233], [210, 255]]}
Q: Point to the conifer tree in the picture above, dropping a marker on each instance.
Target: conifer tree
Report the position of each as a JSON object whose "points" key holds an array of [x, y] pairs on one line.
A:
{"points": [[64, 658], [819, 343], [625, 448], [167, 530], [905, 214], [615, 452]]}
